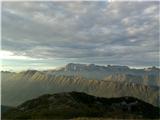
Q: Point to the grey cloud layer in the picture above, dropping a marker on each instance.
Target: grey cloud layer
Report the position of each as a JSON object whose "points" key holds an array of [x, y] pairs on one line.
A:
{"points": [[122, 32]]}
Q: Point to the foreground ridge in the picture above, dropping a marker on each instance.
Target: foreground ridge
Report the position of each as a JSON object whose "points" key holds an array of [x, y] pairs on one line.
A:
{"points": [[69, 105]]}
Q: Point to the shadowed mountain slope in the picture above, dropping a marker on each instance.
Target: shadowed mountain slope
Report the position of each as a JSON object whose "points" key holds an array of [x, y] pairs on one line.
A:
{"points": [[5, 108], [76, 104]]}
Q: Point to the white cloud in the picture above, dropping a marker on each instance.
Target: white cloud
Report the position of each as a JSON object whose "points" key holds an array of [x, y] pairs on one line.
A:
{"points": [[50, 30], [151, 10], [10, 55]]}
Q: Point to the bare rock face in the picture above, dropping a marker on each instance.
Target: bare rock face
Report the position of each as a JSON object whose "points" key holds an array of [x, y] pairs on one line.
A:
{"points": [[93, 67], [148, 76]]}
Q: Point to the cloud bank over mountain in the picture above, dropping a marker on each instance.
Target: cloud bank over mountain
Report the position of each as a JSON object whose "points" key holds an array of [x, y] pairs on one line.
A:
{"points": [[88, 32]]}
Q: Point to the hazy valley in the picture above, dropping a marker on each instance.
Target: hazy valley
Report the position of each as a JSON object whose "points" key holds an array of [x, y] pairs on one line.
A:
{"points": [[102, 81]]}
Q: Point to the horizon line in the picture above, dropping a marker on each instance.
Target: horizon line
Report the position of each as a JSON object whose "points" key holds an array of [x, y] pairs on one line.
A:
{"points": [[55, 68]]}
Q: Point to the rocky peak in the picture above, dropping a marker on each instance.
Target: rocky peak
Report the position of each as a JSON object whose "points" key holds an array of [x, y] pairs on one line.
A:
{"points": [[117, 67], [153, 68], [79, 67], [93, 67]]}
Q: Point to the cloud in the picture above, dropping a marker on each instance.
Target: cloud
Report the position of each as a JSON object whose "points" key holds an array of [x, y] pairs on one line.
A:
{"points": [[95, 32]]}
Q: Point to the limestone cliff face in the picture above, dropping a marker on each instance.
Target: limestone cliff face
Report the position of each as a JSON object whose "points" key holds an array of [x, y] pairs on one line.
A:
{"points": [[149, 76]]}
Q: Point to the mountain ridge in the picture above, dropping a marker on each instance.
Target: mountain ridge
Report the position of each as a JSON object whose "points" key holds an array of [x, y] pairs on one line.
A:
{"points": [[103, 84], [41, 83], [73, 104], [70, 65]]}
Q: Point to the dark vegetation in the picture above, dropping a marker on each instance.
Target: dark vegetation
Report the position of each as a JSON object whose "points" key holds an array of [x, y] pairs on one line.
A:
{"points": [[75, 104], [5, 108]]}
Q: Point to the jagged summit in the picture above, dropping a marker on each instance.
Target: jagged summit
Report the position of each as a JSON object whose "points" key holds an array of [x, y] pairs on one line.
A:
{"points": [[92, 67], [153, 68]]}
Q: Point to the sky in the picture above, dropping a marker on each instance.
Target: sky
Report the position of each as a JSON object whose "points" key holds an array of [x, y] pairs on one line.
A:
{"points": [[47, 35]]}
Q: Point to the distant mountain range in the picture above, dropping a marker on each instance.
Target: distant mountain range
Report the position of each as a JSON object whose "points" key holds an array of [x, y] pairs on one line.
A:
{"points": [[75, 104], [103, 81], [148, 76]]}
